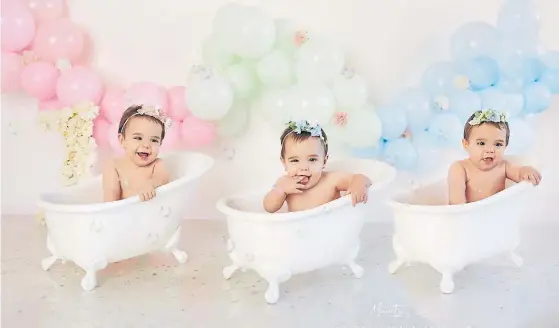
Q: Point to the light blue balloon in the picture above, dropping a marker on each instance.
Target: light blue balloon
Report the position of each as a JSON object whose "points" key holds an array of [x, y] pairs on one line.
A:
{"points": [[537, 98], [482, 71], [464, 103], [428, 151], [518, 16], [529, 69], [550, 78], [521, 137], [510, 85], [394, 122], [369, 152], [400, 153], [438, 78], [447, 129], [493, 98], [474, 39], [424, 142], [418, 107], [551, 59]]}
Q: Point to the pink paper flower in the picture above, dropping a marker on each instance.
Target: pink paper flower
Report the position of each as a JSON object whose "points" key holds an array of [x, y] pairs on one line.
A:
{"points": [[340, 118], [300, 37], [406, 134]]}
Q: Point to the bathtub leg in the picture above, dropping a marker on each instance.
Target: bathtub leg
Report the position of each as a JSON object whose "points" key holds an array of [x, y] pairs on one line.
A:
{"points": [[354, 267], [172, 246], [447, 283], [400, 255], [516, 259], [46, 263], [89, 281], [228, 271], [393, 266], [274, 279]]}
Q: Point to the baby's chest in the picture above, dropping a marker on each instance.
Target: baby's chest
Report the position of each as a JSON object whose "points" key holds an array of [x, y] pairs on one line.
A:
{"points": [[311, 199], [133, 180], [486, 181]]}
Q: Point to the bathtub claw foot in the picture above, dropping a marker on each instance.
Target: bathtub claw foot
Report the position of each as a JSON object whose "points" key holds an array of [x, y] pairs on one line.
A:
{"points": [[228, 271], [272, 293], [447, 283], [48, 262], [516, 259], [395, 265], [89, 282], [356, 269], [180, 256]]}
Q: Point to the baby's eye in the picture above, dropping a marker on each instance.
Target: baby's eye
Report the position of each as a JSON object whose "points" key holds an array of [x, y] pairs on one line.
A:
{"points": [[294, 160], [314, 159], [138, 138], [499, 144], [155, 141], [481, 143]]}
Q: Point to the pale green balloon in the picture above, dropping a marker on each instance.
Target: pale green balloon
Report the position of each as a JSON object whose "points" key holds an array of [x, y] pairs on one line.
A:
{"points": [[363, 128], [350, 91], [319, 61], [311, 102], [215, 54], [243, 80], [273, 105], [235, 122], [285, 36], [253, 33], [275, 69]]}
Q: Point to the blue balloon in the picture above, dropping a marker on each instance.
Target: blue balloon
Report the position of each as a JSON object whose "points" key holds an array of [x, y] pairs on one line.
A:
{"points": [[528, 69], [550, 78], [551, 59], [521, 137], [400, 153], [518, 16], [439, 78], [537, 98], [493, 98], [474, 39], [482, 71], [447, 129], [464, 103], [394, 122], [418, 107], [369, 152], [510, 85], [424, 142]]}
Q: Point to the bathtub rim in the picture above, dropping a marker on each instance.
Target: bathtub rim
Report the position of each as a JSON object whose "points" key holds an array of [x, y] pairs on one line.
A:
{"points": [[47, 206], [227, 210]]}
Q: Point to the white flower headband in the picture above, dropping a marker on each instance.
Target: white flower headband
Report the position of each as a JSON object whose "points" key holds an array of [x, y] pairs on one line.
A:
{"points": [[488, 115], [304, 126], [153, 112]]}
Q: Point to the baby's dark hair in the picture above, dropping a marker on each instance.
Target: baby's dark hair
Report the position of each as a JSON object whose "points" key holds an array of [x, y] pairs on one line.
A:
{"points": [[504, 126], [133, 110], [303, 135]]}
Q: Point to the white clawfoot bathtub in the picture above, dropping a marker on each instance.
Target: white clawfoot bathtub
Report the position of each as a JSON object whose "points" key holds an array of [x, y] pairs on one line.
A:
{"points": [[92, 234], [450, 237], [279, 245]]}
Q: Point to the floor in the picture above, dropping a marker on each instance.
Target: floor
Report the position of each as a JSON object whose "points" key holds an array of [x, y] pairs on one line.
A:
{"points": [[154, 291]]}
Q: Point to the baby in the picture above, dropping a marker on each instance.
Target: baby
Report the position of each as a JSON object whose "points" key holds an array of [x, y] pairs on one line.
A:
{"points": [[306, 185], [483, 174], [139, 171]]}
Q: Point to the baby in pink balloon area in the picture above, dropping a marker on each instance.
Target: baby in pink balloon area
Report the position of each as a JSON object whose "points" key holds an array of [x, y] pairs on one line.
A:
{"points": [[139, 171]]}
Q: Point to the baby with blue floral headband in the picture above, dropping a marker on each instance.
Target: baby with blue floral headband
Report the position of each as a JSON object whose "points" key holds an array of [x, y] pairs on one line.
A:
{"points": [[485, 171], [304, 153]]}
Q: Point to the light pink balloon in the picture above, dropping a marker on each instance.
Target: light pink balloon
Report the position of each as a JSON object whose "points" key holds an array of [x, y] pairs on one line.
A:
{"points": [[51, 104], [112, 105], [46, 10], [79, 84], [59, 39], [18, 26], [172, 139], [177, 103], [147, 93], [11, 72], [197, 133], [39, 80], [114, 143], [101, 131]]}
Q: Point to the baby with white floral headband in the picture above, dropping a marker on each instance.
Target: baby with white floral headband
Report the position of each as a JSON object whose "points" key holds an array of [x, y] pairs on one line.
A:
{"points": [[138, 172], [304, 153], [484, 172]]}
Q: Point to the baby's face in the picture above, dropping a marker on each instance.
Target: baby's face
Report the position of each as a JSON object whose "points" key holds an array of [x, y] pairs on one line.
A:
{"points": [[304, 158], [486, 146], [141, 140]]}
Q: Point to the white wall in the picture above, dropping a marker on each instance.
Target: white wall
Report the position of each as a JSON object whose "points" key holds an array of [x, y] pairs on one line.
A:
{"points": [[388, 42]]}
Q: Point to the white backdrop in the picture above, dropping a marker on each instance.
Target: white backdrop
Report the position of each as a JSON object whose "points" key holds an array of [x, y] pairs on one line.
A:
{"points": [[389, 42]]}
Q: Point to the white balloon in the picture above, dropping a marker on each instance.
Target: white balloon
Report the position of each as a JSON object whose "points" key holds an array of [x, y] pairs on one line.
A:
{"points": [[225, 22], [254, 34], [215, 54], [314, 103], [275, 69], [209, 98], [319, 61], [274, 106], [363, 128], [350, 92], [235, 122], [242, 79]]}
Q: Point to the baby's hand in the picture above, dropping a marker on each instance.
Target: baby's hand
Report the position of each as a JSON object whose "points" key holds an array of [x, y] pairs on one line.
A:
{"points": [[289, 185], [358, 190], [146, 191], [528, 173]]}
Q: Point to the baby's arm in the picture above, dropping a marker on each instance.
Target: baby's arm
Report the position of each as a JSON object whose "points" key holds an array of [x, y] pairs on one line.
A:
{"points": [[274, 200], [355, 184], [111, 183], [161, 175], [519, 173], [456, 184]]}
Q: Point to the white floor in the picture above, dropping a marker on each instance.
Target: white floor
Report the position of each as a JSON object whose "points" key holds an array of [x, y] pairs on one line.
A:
{"points": [[154, 291]]}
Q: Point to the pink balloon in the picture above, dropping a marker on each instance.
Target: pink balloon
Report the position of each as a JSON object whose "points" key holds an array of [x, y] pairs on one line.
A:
{"points": [[46, 10], [177, 103], [147, 93], [18, 26], [197, 133], [79, 84], [51, 104], [114, 143], [11, 72], [101, 131], [59, 39], [112, 105], [39, 80], [172, 139]]}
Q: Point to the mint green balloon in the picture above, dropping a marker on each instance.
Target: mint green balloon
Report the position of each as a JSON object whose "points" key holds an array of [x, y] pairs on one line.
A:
{"points": [[363, 128], [235, 122], [215, 54], [285, 36], [242, 79], [275, 69]]}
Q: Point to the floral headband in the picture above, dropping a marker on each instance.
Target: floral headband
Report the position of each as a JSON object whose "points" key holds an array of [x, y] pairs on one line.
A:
{"points": [[488, 115], [153, 112], [304, 126]]}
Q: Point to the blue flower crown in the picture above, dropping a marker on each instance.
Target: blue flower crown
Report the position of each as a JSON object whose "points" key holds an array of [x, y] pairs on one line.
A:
{"points": [[298, 127], [488, 115]]}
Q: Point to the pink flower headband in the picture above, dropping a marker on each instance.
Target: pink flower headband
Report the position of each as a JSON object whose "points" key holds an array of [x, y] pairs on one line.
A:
{"points": [[153, 112]]}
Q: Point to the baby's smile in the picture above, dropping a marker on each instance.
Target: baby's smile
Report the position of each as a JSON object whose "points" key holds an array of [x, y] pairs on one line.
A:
{"points": [[143, 155]]}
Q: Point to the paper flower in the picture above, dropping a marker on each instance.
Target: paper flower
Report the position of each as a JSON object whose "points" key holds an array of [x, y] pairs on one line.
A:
{"points": [[340, 118], [488, 115]]}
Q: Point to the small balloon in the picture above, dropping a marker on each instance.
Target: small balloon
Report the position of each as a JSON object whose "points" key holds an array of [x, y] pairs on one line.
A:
{"points": [[550, 78], [242, 79], [400, 153], [275, 69], [210, 97], [235, 122], [537, 98], [363, 128], [474, 39], [447, 129], [394, 122], [438, 78], [319, 61], [482, 72], [464, 103], [418, 107], [350, 91]]}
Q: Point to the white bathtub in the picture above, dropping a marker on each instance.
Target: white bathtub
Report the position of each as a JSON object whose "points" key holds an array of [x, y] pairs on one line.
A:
{"points": [[450, 237], [84, 230], [279, 245]]}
